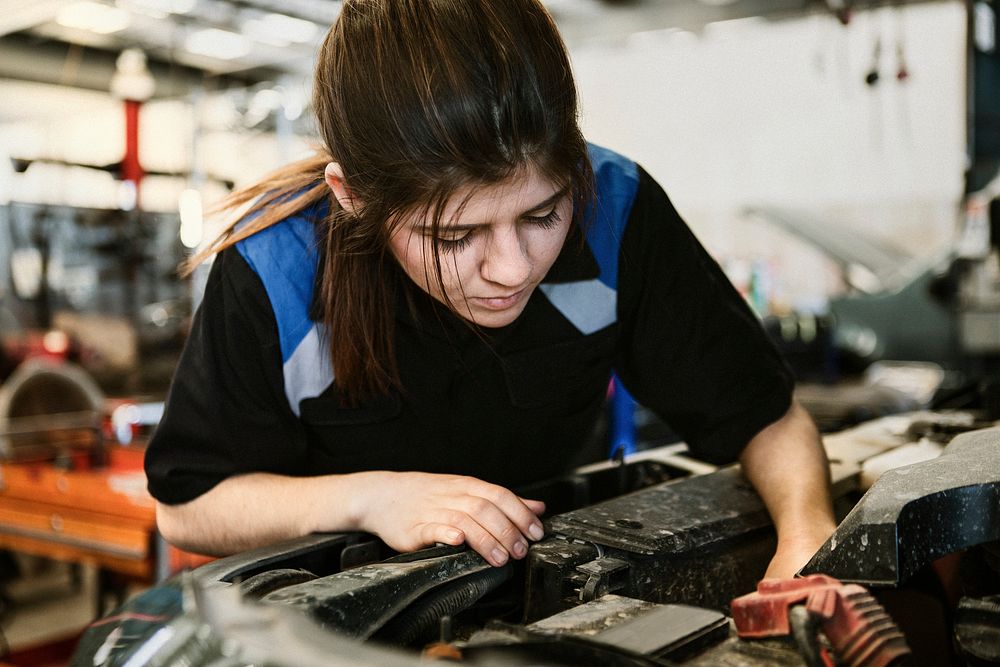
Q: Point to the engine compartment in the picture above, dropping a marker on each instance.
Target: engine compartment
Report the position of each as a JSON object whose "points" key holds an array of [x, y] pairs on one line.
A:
{"points": [[641, 559]]}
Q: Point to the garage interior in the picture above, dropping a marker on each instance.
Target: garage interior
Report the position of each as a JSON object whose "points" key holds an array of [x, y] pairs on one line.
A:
{"points": [[840, 160]]}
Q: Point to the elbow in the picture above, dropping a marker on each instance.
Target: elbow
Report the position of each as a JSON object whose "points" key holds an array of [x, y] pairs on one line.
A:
{"points": [[174, 524]]}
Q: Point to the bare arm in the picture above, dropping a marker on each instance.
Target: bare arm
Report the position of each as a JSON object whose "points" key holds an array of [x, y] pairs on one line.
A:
{"points": [[787, 465], [407, 510], [249, 511]]}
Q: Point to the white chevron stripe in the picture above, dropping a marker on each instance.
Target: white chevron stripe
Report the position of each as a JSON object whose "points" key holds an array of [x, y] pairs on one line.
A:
{"points": [[308, 372], [589, 305]]}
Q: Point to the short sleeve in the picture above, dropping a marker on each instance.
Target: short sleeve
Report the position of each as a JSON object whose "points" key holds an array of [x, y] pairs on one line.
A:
{"points": [[225, 413], [692, 350]]}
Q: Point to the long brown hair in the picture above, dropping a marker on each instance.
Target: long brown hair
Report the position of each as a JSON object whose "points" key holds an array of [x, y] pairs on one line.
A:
{"points": [[416, 99]]}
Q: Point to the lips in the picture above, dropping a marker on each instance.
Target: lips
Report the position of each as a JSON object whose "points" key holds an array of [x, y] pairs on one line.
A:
{"points": [[500, 302]]}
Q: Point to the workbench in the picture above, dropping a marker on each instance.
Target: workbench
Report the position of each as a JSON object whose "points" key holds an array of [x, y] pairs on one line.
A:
{"points": [[101, 517]]}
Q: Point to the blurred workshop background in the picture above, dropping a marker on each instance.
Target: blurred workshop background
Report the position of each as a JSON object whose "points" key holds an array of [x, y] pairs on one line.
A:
{"points": [[839, 159]]}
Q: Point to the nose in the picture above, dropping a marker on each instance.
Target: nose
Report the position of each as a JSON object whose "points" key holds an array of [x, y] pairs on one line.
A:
{"points": [[505, 260]]}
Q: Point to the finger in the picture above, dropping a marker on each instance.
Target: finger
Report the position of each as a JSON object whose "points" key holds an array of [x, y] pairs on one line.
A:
{"points": [[480, 539], [536, 506], [498, 524], [432, 533], [514, 507], [536, 531]]}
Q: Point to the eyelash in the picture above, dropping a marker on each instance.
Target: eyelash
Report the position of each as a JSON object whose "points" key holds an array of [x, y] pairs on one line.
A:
{"points": [[547, 221]]}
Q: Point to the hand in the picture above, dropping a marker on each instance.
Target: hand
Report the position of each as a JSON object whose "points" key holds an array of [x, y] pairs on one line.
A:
{"points": [[412, 510]]}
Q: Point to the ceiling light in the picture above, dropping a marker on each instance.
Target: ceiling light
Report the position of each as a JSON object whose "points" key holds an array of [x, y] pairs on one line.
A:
{"points": [[734, 26], [144, 8], [280, 30], [94, 17], [293, 29], [191, 213], [293, 107], [215, 43], [574, 8], [259, 31], [160, 8]]}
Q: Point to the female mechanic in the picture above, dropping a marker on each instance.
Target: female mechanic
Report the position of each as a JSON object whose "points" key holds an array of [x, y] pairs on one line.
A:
{"points": [[425, 315]]}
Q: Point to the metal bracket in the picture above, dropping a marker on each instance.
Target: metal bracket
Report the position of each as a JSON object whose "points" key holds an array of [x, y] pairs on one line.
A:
{"points": [[604, 575]]}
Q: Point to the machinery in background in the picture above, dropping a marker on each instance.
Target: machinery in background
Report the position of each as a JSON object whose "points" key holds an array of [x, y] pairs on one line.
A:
{"points": [[940, 313], [640, 562], [976, 274], [892, 310], [51, 411], [106, 280], [71, 481]]}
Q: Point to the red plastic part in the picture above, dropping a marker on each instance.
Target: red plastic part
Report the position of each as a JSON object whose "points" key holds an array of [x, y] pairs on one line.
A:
{"points": [[857, 627]]}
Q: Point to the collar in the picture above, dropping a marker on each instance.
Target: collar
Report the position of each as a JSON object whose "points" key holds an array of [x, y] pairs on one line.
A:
{"points": [[575, 261]]}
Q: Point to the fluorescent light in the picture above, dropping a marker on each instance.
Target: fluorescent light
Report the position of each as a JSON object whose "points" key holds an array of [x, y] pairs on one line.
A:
{"points": [[94, 17], [259, 31], [159, 8], [149, 11], [220, 44], [192, 224], [734, 26], [128, 195], [293, 107], [280, 30], [292, 29]]}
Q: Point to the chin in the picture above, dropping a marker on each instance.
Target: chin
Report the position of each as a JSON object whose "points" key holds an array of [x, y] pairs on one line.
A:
{"points": [[493, 319]]}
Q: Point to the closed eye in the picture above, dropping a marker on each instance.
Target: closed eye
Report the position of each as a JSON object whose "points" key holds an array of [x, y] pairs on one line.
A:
{"points": [[455, 243], [458, 241], [547, 221]]}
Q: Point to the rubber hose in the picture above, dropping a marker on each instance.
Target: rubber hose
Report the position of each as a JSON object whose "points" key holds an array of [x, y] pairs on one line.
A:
{"points": [[269, 581], [422, 616]]}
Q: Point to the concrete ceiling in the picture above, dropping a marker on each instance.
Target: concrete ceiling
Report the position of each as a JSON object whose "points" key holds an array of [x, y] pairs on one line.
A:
{"points": [[274, 41], [38, 43]]}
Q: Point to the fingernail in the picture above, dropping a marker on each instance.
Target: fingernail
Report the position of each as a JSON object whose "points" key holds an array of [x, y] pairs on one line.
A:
{"points": [[520, 548], [454, 535], [535, 531], [498, 556]]}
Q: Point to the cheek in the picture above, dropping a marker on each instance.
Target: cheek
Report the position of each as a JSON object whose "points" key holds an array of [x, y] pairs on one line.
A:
{"points": [[415, 254], [457, 268], [408, 251], [549, 243]]}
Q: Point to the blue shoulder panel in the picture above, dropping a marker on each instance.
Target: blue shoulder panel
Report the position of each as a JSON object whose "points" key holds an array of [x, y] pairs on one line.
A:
{"points": [[616, 183], [591, 305], [285, 258]]}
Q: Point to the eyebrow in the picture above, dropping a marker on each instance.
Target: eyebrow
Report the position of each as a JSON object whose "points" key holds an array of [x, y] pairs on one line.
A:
{"points": [[540, 206]]}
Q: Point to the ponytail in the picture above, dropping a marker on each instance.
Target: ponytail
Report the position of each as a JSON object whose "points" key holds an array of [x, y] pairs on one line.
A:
{"points": [[279, 195]]}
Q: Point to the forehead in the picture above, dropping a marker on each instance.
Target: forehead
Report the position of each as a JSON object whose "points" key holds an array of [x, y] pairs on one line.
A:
{"points": [[480, 203]]}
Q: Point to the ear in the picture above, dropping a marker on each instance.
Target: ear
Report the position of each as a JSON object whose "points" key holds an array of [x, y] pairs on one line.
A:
{"points": [[334, 177]]}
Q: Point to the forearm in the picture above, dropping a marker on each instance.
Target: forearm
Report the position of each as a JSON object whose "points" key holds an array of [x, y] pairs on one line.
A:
{"points": [[252, 510], [407, 510], [787, 465]]}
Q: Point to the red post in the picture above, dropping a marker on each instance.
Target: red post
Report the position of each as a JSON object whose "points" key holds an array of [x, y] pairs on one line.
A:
{"points": [[131, 169]]}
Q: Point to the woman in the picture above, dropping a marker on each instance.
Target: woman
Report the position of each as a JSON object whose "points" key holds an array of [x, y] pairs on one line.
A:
{"points": [[426, 314]]}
